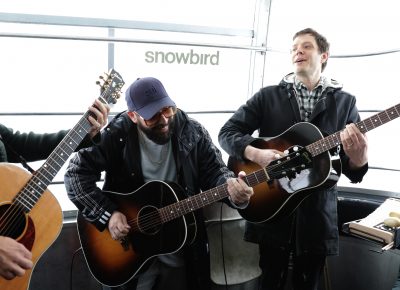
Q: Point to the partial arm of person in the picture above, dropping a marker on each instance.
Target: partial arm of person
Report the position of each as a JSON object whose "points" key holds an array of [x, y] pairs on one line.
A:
{"points": [[355, 145], [354, 153], [262, 157], [33, 146], [15, 259], [239, 192], [236, 134], [213, 172], [98, 118], [118, 225], [81, 177], [235, 137]]}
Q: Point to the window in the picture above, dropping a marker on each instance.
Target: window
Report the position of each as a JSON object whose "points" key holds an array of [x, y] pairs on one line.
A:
{"points": [[53, 54], [209, 54]]}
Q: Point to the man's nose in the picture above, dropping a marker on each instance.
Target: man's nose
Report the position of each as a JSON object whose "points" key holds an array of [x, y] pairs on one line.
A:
{"points": [[163, 119]]}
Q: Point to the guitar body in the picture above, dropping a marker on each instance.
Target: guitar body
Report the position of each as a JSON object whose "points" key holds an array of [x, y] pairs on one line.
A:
{"points": [[36, 230], [280, 197], [114, 263]]}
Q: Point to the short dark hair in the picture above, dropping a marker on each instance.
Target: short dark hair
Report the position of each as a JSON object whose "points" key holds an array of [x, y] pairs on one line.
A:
{"points": [[323, 44]]}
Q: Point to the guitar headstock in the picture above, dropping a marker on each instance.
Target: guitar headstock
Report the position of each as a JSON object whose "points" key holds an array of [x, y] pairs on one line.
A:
{"points": [[296, 159], [110, 86]]}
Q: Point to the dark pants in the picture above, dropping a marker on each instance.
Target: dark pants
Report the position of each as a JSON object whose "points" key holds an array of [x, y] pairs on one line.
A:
{"points": [[274, 263]]}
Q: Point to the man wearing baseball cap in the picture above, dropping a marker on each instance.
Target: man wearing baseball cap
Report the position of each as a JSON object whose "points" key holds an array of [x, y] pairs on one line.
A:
{"points": [[150, 145]]}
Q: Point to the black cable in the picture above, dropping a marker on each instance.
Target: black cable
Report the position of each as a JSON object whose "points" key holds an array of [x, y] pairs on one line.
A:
{"points": [[222, 246], [72, 266], [20, 157]]}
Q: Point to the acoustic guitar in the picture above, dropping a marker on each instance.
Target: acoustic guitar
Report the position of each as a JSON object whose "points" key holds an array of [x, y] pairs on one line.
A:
{"points": [[161, 223], [29, 212], [276, 197]]}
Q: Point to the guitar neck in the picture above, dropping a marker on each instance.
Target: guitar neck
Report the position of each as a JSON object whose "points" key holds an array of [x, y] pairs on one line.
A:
{"points": [[208, 197], [40, 180], [27, 198], [62, 152], [193, 203], [364, 126]]}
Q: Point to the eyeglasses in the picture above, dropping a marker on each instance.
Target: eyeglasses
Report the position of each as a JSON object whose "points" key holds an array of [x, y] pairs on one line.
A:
{"points": [[167, 112]]}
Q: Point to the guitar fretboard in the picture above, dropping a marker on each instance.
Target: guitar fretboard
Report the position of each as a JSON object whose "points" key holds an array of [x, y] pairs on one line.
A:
{"points": [[40, 180], [205, 198], [192, 203], [364, 126]]}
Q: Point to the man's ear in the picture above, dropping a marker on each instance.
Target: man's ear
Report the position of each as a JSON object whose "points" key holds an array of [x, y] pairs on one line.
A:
{"points": [[133, 117], [324, 57]]}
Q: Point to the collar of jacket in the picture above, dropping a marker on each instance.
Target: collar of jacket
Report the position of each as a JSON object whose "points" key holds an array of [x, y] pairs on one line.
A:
{"points": [[185, 132], [329, 84]]}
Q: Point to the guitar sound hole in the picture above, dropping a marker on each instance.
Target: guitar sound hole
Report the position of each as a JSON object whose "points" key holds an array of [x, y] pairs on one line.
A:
{"points": [[149, 220], [12, 221]]}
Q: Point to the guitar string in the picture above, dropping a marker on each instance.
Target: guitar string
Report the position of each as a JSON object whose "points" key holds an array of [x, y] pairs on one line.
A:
{"points": [[155, 218], [152, 219], [10, 219], [30, 194]]}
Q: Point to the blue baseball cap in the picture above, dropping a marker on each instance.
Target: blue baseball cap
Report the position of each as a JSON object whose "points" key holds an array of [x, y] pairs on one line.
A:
{"points": [[147, 96]]}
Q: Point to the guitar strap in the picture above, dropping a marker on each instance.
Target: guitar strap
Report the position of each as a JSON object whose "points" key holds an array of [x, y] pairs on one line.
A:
{"points": [[22, 160]]}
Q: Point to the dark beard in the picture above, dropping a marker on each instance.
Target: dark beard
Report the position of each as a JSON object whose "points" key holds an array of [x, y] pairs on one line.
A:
{"points": [[154, 135]]}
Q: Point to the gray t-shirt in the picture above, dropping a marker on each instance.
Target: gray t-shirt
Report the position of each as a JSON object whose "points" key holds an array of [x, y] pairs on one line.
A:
{"points": [[158, 163]]}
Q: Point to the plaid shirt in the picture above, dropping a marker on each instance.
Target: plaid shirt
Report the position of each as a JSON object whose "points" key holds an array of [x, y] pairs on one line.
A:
{"points": [[307, 99]]}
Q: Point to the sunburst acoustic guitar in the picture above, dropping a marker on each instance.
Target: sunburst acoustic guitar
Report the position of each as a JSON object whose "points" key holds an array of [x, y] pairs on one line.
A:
{"points": [[29, 212], [276, 197]]}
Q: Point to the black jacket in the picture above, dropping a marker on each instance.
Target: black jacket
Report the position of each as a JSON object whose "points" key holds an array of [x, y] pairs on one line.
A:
{"points": [[32, 146], [271, 111], [199, 167]]}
